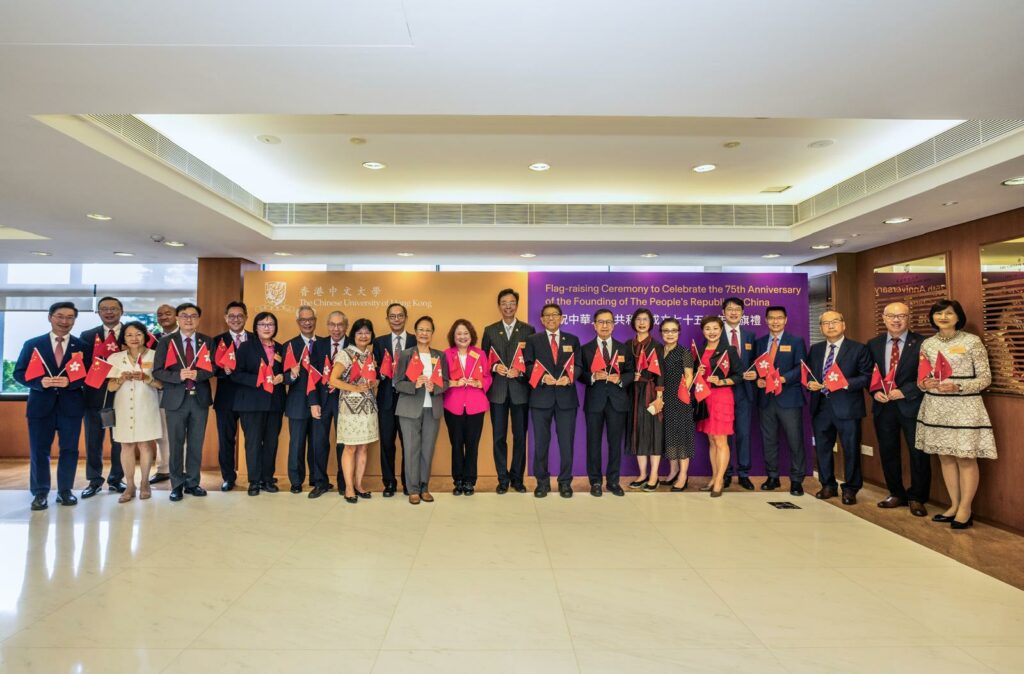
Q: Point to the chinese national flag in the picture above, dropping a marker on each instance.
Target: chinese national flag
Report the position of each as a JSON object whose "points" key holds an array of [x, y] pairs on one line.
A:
{"points": [[653, 364], [414, 370], [354, 372], [943, 368], [694, 353], [98, 350], [387, 366], [536, 375], [570, 367], [457, 371], [518, 362], [36, 368], [598, 364], [289, 358], [218, 355], [641, 362], [76, 367], [835, 379], [684, 391], [312, 377], [924, 368], [876, 380], [326, 377], [172, 354], [764, 364], [493, 358], [773, 383], [266, 377], [110, 344], [437, 374], [203, 361], [477, 371], [98, 373], [370, 369], [701, 390], [805, 374]]}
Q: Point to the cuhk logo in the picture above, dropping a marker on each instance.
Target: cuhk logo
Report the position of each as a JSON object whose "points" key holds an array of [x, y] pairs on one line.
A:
{"points": [[275, 292]]}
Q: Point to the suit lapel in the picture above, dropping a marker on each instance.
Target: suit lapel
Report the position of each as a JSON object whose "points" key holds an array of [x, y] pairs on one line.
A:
{"points": [[46, 351]]}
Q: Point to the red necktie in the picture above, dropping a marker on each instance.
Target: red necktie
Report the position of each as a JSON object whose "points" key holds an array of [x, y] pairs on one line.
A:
{"points": [[894, 357], [735, 340], [58, 353], [334, 350], [554, 350], [190, 355]]}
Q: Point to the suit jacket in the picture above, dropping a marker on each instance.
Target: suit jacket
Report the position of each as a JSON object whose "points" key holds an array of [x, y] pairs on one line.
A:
{"points": [[42, 402], [249, 398], [906, 373], [322, 395], [387, 396], [747, 353], [503, 388], [410, 398], [598, 394], [538, 350], [174, 392], [735, 364], [296, 404], [466, 399], [791, 353], [94, 397], [855, 364], [224, 401]]}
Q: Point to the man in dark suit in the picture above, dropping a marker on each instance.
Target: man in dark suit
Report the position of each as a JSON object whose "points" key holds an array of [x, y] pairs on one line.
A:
{"points": [[785, 409], [555, 396], [838, 412], [110, 310], [296, 406], [55, 406], [896, 353], [509, 393], [168, 323], [387, 398], [743, 393], [323, 405], [186, 399], [235, 316], [605, 402]]}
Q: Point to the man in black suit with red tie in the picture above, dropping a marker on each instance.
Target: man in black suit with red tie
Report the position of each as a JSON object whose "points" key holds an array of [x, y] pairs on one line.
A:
{"points": [[394, 342], [235, 316], [323, 405], [555, 396], [605, 402], [296, 406], [110, 311], [896, 351]]}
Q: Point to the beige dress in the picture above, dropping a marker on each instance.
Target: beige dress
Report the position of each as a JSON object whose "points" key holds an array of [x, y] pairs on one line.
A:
{"points": [[357, 412], [137, 403], [957, 424]]}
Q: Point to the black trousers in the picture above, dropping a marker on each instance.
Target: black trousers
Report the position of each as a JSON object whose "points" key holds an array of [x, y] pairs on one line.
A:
{"points": [[261, 433], [565, 429], [889, 422], [41, 431], [186, 430], [464, 432], [739, 441], [790, 420], [597, 422], [227, 441], [500, 414], [389, 431], [826, 428], [94, 435], [300, 449], [322, 441]]}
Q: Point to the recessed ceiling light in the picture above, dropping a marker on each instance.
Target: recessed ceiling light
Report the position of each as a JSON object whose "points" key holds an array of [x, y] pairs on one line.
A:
{"points": [[704, 168], [374, 165], [281, 253], [731, 145], [123, 254], [269, 140], [41, 253], [775, 189], [1014, 182], [854, 235], [950, 203], [174, 244], [770, 256], [527, 255], [98, 216], [404, 254], [821, 246], [649, 255], [818, 144], [540, 166], [356, 140], [896, 221]]}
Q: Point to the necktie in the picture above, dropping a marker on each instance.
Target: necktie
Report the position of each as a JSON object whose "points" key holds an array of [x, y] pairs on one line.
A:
{"points": [[334, 350], [828, 364], [894, 356], [774, 348], [508, 332], [554, 349], [735, 341], [238, 341], [190, 355], [58, 353], [604, 351]]}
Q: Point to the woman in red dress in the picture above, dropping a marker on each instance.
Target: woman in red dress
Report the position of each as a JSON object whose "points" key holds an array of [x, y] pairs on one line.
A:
{"points": [[719, 363]]}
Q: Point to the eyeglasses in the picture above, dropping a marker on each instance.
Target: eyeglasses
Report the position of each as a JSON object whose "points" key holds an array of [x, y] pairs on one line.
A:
{"points": [[307, 320], [188, 317], [337, 325], [550, 315], [505, 305], [424, 331], [899, 317], [266, 325], [669, 331], [395, 317], [604, 322], [235, 317], [837, 321]]}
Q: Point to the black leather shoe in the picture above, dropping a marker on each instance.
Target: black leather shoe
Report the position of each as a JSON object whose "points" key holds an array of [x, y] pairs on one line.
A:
{"points": [[540, 491], [227, 486], [351, 499], [296, 489], [727, 482], [363, 494], [943, 518], [39, 503], [457, 490], [176, 494], [254, 490], [120, 487], [66, 498], [271, 487], [686, 483], [317, 492], [796, 489], [195, 491], [826, 493], [595, 490], [160, 477], [502, 489], [746, 483], [519, 488], [771, 484], [962, 525], [669, 481], [616, 490], [92, 490], [468, 489], [565, 490], [389, 491], [849, 498]]}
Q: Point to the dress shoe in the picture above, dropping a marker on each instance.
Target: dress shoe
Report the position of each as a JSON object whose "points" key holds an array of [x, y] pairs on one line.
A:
{"points": [[942, 518], [176, 494], [118, 486], [616, 490], [727, 482], [716, 494], [638, 484], [468, 489], [426, 497], [296, 489], [746, 483], [541, 491], [414, 499], [826, 493], [39, 503], [502, 489], [650, 487], [363, 494], [917, 509], [706, 487], [595, 490], [254, 490], [225, 486], [457, 491], [849, 498], [962, 525], [162, 477], [519, 488], [66, 498], [271, 487], [679, 489], [317, 492], [351, 499], [669, 481], [892, 502], [331, 486], [771, 484], [388, 492], [92, 490], [565, 490], [796, 489], [195, 491]]}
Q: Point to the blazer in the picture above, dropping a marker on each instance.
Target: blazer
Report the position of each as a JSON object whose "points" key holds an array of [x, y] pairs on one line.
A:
{"points": [[224, 401], [43, 402], [599, 394], [387, 396], [735, 364], [322, 395], [855, 364], [538, 350], [791, 353], [502, 388], [249, 398], [94, 397], [410, 398], [296, 405], [174, 392], [747, 353], [465, 399], [906, 373]]}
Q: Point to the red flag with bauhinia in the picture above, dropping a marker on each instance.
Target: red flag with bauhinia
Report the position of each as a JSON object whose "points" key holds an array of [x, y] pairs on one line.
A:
{"points": [[924, 368], [414, 370], [684, 391], [76, 367], [493, 358], [354, 372], [98, 349], [615, 362], [289, 357], [326, 377], [701, 389], [723, 364], [943, 368], [763, 364], [876, 380], [805, 374], [889, 383], [110, 344], [266, 377], [36, 367], [203, 361], [653, 364], [387, 365], [477, 370], [641, 361], [598, 364], [312, 376], [518, 362], [98, 373], [570, 367], [537, 374], [370, 368], [773, 383], [218, 355], [437, 374], [835, 379]]}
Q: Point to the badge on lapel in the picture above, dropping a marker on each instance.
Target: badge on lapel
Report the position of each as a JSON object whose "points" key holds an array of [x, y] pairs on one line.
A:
{"points": [[785, 347]]}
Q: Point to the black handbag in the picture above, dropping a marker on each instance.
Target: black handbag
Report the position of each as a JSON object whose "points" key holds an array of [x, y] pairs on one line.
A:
{"points": [[107, 416]]}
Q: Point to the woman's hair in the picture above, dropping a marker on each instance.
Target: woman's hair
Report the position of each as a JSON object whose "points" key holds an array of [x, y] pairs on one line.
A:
{"points": [[428, 319], [641, 310], [141, 327], [469, 327], [712, 319], [359, 324], [259, 319], [666, 321], [942, 305]]}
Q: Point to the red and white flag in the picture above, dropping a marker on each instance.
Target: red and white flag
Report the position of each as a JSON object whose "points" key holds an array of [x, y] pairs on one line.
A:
{"points": [[36, 367], [518, 362], [76, 368], [653, 364], [312, 376], [835, 379], [437, 373], [370, 368], [773, 383], [203, 361], [266, 377], [805, 374], [98, 373], [701, 389]]}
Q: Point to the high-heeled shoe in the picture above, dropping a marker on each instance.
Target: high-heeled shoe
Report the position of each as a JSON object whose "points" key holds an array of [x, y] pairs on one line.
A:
{"points": [[943, 518], [962, 525], [679, 489], [670, 480], [351, 499], [716, 494], [128, 495], [706, 487], [363, 494], [145, 492], [650, 487], [638, 484]]}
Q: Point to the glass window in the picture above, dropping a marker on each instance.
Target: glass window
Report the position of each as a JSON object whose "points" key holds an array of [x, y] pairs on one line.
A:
{"points": [[39, 274]]}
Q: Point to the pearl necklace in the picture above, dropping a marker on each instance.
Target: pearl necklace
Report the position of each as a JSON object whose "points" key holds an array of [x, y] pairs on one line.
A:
{"points": [[947, 339]]}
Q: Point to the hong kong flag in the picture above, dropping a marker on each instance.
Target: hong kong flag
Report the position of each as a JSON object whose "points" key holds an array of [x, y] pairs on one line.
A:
{"points": [[773, 383], [805, 374], [537, 374], [414, 370], [943, 368], [598, 364], [387, 366], [641, 362], [203, 361], [570, 367], [835, 379], [36, 367], [763, 364], [876, 380], [312, 376], [615, 362], [684, 391], [354, 372], [370, 369], [289, 357], [266, 377], [723, 364], [653, 364], [327, 374], [924, 368], [110, 344], [518, 362], [437, 373], [701, 389], [889, 383], [76, 367], [98, 373]]}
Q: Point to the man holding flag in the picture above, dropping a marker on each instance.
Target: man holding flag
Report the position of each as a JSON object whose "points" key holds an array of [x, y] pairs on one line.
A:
{"points": [[226, 349], [323, 405], [386, 349], [301, 438], [101, 343], [743, 392]]}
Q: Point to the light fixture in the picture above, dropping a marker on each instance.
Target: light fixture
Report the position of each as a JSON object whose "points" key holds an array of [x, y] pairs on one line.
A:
{"points": [[157, 238], [120, 253], [770, 256], [818, 144], [356, 140], [704, 168], [281, 253], [527, 255], [649, 255], [731, 145], [174, 244], [950, 203], [374, 165], [539, 166], [268, 140], [1014, 182], [98, 216], [854, 235], [775, 189], [896, 221], [405, 254], [41, 253], [821, 246]]}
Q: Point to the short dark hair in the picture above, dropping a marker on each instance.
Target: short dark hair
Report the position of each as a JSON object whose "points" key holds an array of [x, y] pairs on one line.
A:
{"points": [[187, 305], [359, 325], [775, 307], [469, 326], [712, 319], [604, 310], [733, 300], [636, 314], [57, 306], [240, 305], [259, 318], [108, 298], [552, 305], [508, 291], [138, 325], [400, 306], [428, 319], [942, 305], [669, 319]]}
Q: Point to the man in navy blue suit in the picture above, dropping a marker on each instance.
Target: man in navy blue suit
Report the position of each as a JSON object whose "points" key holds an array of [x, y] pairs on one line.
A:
{"points": [[743, 392], [784, 409], [296, 405], [55, 406], [235, 315], [110, 311], [838, 412], [387, 397], [323, 406]]}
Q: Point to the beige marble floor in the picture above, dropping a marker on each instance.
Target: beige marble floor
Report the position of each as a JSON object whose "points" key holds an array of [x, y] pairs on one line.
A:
{"points": [[650, 582]]}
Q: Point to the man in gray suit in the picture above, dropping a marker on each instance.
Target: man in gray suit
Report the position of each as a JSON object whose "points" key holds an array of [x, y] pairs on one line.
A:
{"points": [[509, 393]]}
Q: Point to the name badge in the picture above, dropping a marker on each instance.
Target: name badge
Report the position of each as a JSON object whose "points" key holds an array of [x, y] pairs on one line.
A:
{"points": [[785, 347], [621, 359], [433, 360], [748, 346], [522, 344], [567, 349], [959, 348]]}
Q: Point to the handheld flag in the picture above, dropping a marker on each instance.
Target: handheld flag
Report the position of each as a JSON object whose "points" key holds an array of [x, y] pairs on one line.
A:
{"points": [[764, 364], [98, 349], [694, 352], [266, 377], [326, 377], [203, 361], [477, 371], [110, 344], [218, 355], [36, 367], [805, 374], [924, 368], [370, 368], [76, 367], [598, 364], [437, 374], [653, 364], [289, 358], [773, 383], [701, 389], [943, 368], [312, 376], [354, 372], [172, 354], [684, 391], [615, 362], [570, 367], [151, 342], [518, 362], [414, 370], [98, 373], [493, 358], [387, 366], [537, 374], [641, 362], [457, 372], [876, 381], [889, 383], [835, 379], [722, 366]]}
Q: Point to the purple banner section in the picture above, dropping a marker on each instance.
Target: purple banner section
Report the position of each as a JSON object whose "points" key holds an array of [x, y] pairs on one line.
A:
{"points": [[685, 296]]}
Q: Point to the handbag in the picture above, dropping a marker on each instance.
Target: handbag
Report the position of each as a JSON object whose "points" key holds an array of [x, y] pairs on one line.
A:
{"points": [[107, 416]]}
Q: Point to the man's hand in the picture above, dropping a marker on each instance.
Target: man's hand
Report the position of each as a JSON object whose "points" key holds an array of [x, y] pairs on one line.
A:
{"points": [[501, 369], [600, 375], [760, 382], [751, 376], [896, 394], [880, 397], [614, 379], [314, 411], [563, 380], [295, 372], [814, 386], [549, 380], [188, 374]]}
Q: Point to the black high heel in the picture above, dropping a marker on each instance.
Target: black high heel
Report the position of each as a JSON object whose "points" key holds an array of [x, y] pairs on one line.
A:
{"points": [[638, 484], [670, 480], [352, 499], [962, 525], [363, 494], [686, 482], [943, 518]]}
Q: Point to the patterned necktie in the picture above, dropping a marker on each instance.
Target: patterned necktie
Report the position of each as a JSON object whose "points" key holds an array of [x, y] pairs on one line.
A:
{"points": [[828, 365], [508, 332], [894, 356], [604, 351], [238, 341], [334, 350], [58, 353], [190, 355], [735, 341], [554, 349]]}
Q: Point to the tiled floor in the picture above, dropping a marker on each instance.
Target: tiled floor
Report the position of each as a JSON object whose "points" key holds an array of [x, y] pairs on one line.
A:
{"points": [[650, 582]]}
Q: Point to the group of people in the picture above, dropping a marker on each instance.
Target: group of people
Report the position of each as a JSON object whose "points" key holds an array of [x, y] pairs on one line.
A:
{"points": [[644, 396]]}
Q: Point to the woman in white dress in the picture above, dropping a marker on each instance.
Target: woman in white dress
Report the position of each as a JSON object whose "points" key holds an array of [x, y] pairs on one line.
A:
{"points": [[136, 407], [357, 406]]}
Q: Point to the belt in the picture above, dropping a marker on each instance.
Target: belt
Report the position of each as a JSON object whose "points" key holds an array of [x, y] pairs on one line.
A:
{"points": [[192, 392]]}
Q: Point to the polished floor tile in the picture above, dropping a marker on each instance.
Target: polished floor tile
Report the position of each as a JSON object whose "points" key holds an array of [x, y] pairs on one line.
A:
{"points": [[729, 660], [857, 659], [84, 660], [473, 662]]}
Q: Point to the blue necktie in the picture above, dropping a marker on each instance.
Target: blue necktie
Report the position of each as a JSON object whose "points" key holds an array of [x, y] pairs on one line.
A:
{"points": [[828, 364]]}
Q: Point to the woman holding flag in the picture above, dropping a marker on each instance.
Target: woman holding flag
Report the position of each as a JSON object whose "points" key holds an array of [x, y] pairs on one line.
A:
{"points": [[644, 420], [953, 422], [354, 375], [677, 366], [717, 361], [465, 402]]}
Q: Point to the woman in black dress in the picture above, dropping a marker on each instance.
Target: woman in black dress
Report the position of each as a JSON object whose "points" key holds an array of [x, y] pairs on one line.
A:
{"points": [[678, 415], [643, 429]]}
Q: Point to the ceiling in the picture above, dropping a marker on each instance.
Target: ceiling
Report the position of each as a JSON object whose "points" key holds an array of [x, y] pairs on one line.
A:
{"points": [[457, 98]]}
